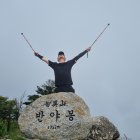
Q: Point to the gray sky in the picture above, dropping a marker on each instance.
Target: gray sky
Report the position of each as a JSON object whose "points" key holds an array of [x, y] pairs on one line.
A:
{"points": [[108, 80]]}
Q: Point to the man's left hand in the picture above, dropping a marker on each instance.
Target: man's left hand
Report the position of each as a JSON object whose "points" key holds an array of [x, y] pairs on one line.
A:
{"points": [[88, 49]]}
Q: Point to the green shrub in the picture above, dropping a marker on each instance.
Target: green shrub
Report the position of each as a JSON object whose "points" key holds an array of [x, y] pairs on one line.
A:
{"points": [[14, 132], [3, 128]]}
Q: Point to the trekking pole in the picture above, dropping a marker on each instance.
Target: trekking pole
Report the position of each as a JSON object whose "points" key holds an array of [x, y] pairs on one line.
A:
{"points": [[98, 37], [28, 42]]}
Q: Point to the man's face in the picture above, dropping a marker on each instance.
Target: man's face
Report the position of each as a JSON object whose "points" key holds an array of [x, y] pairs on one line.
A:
{"points": [[61, 58]]}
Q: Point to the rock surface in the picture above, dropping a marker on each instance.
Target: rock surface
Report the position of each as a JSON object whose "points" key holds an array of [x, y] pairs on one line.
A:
{"points": [[58, 116], [64, 116], [103, 129]]}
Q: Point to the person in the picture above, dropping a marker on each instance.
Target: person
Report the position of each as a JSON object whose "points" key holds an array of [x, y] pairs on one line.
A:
{"points": [[62, 70]]}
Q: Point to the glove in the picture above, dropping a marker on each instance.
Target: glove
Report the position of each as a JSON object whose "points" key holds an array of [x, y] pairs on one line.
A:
{"points": [[38, 55]]}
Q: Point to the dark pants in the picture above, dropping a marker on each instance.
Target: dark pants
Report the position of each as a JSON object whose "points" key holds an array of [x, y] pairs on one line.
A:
{"points": [[65, 88]]}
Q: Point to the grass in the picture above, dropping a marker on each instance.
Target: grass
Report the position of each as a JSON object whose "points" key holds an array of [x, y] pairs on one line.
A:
{"points": [[14, 132]]}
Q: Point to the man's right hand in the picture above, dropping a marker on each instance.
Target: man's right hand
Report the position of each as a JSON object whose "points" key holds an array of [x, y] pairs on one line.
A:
{"points": [[38, 55], [41, 57], [35, 53]]}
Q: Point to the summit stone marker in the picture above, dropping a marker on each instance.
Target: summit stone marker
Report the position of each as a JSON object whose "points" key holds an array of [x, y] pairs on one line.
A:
{"points": [[58, 116], [64, 116]]}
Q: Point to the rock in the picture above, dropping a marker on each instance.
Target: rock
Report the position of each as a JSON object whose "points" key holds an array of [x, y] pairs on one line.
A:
{"points": [[103, 129], [58, 116], [64, 116]]}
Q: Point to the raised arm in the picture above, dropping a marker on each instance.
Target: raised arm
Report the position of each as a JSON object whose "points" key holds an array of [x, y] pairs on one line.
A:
{"points": [[41, 57], [82, 54]]}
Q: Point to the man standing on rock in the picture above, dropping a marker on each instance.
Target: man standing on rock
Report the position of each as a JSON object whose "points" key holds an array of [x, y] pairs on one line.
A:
{"points": [[62, 70]]}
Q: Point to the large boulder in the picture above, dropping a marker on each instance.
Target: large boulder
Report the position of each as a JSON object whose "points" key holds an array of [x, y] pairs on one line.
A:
{"points": [[103, 129], [64, 116], [58, 116]]}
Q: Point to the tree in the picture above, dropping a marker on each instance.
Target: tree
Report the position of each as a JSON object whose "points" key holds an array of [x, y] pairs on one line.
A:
{"points": [[8, 111], [47, 88]]}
